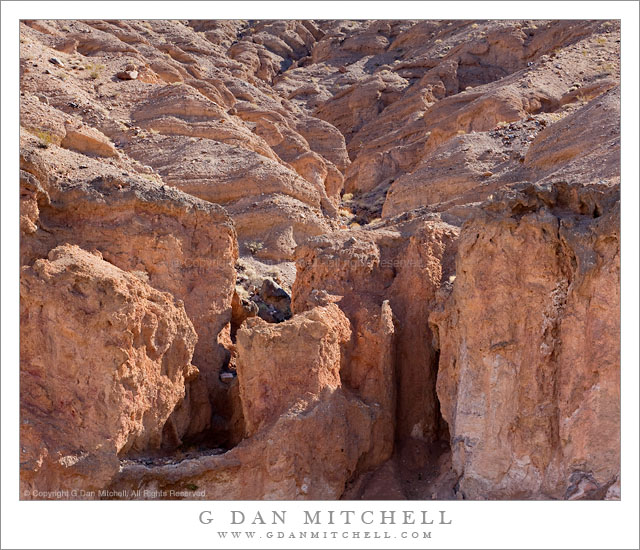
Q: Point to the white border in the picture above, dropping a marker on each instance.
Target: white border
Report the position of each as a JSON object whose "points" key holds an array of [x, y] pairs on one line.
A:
{"points": [[175, 525]]}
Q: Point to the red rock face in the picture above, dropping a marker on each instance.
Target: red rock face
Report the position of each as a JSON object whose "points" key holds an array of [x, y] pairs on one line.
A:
{"points": [[321, 259], [103, 362], [306, 435], [553, 350]]}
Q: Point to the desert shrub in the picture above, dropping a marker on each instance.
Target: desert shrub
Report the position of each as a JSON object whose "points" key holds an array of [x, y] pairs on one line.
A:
{"points": [[254, 246], [95, 70], [46, 138]]}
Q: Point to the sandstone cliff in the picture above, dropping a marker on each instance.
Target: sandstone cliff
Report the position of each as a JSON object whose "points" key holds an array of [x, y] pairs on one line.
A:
{"points": [[552, 349]]}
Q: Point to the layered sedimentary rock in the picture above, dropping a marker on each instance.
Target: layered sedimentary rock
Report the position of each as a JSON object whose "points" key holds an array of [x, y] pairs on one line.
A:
{"points": [[401, 106], [195, 98], [529, 379], [580, 143], [272, 206], [581, 148], [104, 358]]}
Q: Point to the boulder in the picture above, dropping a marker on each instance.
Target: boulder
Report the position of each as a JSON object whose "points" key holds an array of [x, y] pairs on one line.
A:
{"points": [[127, 75], [104, 358]]}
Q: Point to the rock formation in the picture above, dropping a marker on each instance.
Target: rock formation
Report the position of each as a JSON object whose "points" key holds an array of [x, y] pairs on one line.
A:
{"points": [[104, 358], [177, 243], [372, 272], [280, 364], [306, 435], [552, 348], [321, 259]]}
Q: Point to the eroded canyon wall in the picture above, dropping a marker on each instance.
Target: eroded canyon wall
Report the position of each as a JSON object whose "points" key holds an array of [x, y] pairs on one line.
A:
{"points": [[529, 375], [321, 259]]}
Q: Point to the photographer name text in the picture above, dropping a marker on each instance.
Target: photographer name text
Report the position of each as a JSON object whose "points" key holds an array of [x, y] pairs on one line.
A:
{"points": [[328, 517]]}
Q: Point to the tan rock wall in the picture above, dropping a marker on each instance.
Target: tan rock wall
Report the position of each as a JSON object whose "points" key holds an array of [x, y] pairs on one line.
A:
{"points": [[529, 374], [177, 243]]}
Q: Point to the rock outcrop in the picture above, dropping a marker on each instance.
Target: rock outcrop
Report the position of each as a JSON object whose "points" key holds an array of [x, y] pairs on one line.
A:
{"points": [[175, 242], [529, 379], [582, 145], [307, 435], [376, 274], [104, 358], [307, 454], [272, 206], [280, 364]]}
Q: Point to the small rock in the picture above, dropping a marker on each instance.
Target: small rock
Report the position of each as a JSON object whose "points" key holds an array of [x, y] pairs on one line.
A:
{"points": [[272, 291], [56, 61], [47, 71], [127, 75], [226, 376]]}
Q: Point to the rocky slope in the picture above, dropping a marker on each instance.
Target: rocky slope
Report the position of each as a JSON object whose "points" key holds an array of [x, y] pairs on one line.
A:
{"points": [[321, 259]]}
